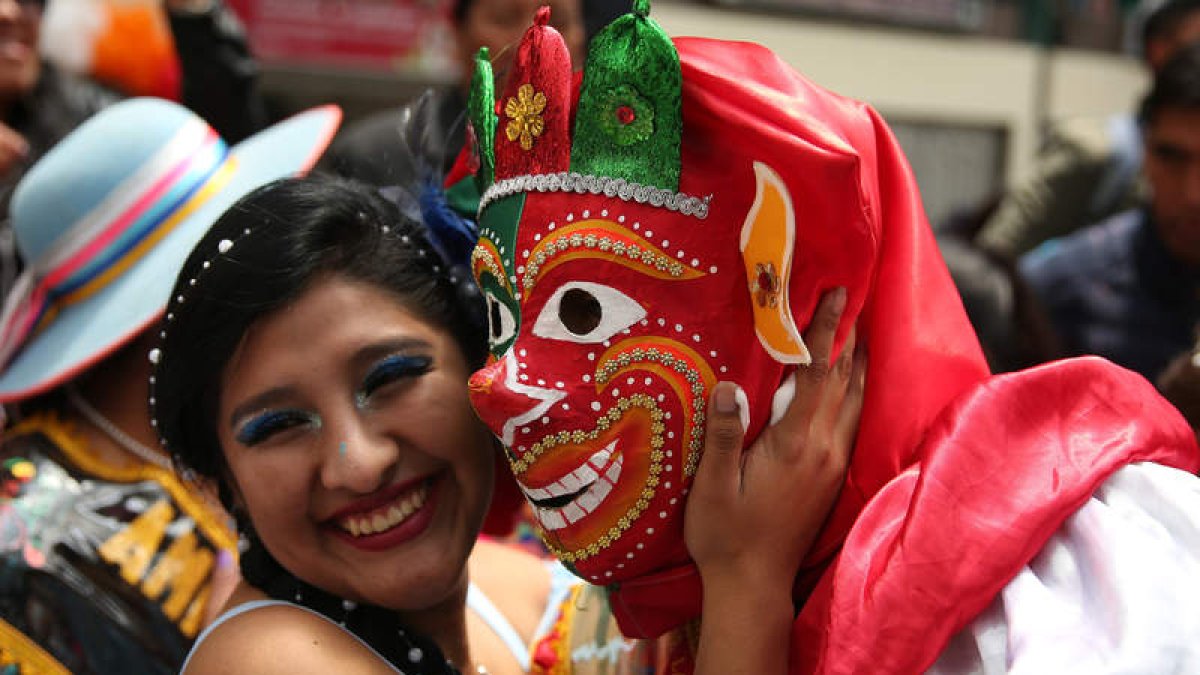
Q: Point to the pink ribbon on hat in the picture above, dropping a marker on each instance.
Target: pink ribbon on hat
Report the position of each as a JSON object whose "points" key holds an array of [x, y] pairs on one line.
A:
{"points": [[117, 232]]}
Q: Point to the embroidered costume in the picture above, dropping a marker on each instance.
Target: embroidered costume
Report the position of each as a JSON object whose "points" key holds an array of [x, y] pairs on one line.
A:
{"points": [[107, 560], [670, 219], [102, 568]]}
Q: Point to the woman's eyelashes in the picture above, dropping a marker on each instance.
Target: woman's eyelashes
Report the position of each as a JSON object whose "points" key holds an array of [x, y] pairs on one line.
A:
{"points": [[389, 370], [267, 424]]}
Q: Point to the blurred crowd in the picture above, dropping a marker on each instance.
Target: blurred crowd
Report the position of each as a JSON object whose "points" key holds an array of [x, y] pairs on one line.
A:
{"points": [[1096, 251]]}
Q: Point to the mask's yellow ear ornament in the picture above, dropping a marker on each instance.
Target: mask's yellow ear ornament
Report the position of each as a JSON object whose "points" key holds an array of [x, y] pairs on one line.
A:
{"points": [[768, 236]]}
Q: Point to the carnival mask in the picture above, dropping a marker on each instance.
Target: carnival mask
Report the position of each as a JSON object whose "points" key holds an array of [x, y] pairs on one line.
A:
{"points": [[668, 220], [620, 289]]}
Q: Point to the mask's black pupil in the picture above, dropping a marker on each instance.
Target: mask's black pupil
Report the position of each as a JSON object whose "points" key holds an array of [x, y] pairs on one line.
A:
{"points": [[579, 311], [494, 318]]}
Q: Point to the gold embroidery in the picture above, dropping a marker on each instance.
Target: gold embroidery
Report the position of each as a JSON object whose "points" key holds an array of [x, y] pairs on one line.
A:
{"points": [[183, 570], [134, 547], [185, 567], [525, 113], [17, 649], [191, 621], [74, 447]]}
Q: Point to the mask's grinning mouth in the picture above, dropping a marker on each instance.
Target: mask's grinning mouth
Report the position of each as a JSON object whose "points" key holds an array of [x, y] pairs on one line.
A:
{"points": [[579, 492], [560, 501]]}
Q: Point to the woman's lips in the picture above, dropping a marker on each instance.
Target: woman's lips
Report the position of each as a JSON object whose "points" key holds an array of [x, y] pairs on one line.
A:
{"points": [[390, 518], [387, 516]]}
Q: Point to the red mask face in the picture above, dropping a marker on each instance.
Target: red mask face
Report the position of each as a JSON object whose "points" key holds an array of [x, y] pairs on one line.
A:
{"points": [[621, 289], [600, 389], [615, 305]]}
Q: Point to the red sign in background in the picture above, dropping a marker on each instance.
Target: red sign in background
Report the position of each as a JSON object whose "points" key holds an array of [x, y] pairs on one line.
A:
{"points": [[406, 35]]}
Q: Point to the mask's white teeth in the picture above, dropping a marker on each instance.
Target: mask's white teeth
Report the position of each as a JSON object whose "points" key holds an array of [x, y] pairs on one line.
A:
{"points": [[585, 474], [381, 521], [580, 507]]}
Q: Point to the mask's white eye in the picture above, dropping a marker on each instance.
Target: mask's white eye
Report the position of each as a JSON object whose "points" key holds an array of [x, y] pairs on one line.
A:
{"points": [[580, 311], [502, 325]]}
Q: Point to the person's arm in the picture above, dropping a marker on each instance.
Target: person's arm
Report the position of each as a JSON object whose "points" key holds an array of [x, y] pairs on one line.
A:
{"points": [[752, 515], [219, 74], [1057, 197]]}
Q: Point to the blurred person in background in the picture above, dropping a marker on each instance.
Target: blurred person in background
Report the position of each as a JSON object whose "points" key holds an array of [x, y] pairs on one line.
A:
{"points": [[1128, 287], [40, 103], [1089, 167], [1087, 170], [368, 149], [110, 562]]}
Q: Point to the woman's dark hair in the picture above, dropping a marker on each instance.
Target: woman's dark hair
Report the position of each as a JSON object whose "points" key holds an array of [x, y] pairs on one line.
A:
{"points": [[262, 254], [259, 257]]}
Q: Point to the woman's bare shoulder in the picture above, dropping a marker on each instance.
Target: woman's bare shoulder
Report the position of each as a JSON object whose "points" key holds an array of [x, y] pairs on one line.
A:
{"points": [[495, 562], [515, 580], [282, 638]]}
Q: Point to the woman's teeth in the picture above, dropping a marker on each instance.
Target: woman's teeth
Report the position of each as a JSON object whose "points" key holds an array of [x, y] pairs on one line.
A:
{"points": [[385, 518]]}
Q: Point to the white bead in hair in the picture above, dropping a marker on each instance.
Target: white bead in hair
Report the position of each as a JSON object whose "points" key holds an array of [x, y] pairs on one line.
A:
{"points": [[155, 354]]}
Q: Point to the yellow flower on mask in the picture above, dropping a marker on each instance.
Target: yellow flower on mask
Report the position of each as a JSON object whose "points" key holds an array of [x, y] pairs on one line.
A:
{"points": [[525, 113]]}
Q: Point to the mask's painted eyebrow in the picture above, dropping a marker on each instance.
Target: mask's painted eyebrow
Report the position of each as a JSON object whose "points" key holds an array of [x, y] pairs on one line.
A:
{"points": [[602, 240], [486, 258]]}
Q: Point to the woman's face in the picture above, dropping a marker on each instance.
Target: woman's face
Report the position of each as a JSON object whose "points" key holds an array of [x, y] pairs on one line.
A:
{"points": [[346, 427]]}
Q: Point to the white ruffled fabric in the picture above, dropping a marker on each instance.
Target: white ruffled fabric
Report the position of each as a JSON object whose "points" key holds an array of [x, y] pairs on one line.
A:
{"points": [[1115, 590]]}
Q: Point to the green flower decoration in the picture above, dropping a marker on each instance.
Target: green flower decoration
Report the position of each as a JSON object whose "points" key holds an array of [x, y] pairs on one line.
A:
{"points": [[625, 116]]}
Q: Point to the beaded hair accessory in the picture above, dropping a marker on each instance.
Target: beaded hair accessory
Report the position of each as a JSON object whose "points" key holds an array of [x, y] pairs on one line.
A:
{"points": [[451, 236], [224, 246], [448, 239], [379, 627]]}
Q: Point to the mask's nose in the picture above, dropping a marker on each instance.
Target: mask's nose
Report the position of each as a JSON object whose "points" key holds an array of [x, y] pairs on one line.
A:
{"points": [[503, 403]]}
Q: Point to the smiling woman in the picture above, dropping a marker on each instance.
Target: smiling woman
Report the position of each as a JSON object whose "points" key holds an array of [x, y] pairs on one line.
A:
{"points": [[313, 364], [328, 400]]}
